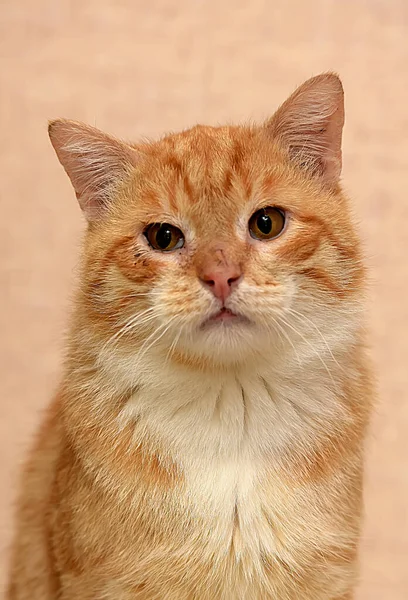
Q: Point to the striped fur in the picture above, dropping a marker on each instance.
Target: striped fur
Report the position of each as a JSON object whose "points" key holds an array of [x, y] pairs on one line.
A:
{"points": [[187, 462]]}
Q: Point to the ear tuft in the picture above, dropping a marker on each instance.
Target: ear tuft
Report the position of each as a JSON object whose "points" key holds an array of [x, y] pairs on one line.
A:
{"points": [[95, 162], [310, 123]]}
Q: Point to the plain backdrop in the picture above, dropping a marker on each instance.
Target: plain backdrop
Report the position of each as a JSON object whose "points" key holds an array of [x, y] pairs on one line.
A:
{"points": [[137, 68]]}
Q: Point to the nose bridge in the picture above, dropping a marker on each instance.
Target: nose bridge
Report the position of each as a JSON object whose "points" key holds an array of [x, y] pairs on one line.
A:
{"points": [[217, 256], [219, 269]]}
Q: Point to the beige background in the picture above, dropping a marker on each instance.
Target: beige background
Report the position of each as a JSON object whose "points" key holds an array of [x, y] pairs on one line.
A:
{"points": [[140, 67]]}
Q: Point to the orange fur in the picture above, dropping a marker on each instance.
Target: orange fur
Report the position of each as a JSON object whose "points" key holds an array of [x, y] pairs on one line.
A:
{"points": [[187, 461]]}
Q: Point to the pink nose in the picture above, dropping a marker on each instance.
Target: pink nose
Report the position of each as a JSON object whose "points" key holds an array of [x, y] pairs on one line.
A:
{"points": [[222, 280]]}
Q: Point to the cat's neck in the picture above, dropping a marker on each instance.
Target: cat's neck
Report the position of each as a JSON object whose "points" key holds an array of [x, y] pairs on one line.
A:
{"points": [[241, 412]]}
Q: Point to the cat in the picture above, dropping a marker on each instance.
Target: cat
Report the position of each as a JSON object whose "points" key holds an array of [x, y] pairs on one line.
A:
{"points": [[207, 438]]}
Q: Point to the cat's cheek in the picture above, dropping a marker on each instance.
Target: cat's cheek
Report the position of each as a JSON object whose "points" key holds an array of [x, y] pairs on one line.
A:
{"points": [[178, 295], [137, 266]]}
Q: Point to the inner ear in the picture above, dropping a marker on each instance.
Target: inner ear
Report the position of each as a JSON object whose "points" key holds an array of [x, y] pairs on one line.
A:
{"points": [[310, 124], [95, 162]]}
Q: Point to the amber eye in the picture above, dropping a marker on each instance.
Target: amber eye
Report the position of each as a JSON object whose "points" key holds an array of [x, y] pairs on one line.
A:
{"points": [[164, 237], [267, 223]]}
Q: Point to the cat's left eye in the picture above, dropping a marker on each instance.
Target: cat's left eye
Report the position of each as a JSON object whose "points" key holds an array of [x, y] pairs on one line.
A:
{"points": [[267, 223], [164, 237]]}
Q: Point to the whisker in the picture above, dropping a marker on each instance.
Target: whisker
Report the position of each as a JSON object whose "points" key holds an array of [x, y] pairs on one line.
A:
{"points": [[302, 316], [143, 350], [131, 324], [310, 346], [173, 346], [280, 328]]}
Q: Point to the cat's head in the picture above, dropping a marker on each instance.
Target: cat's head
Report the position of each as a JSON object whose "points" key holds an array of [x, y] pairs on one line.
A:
{"points": [[218, 244]]}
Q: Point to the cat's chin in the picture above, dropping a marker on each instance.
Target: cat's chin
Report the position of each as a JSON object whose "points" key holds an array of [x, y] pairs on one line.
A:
{"points": [[224, 338]]}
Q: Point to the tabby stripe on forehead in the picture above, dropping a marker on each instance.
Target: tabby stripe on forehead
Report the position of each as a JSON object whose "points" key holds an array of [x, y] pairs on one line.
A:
{"points": [[239, 153], [174, 163]]}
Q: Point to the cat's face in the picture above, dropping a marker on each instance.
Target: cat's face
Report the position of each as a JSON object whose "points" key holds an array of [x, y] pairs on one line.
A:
{"points": [[218, 246]]}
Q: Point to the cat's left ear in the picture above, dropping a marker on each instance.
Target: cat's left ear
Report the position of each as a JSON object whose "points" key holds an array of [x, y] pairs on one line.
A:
{"points": [[95, 162], [310, 124]]}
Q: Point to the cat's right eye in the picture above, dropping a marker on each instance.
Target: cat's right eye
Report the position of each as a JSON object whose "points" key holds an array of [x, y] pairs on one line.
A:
{"points": [[164, 237]]}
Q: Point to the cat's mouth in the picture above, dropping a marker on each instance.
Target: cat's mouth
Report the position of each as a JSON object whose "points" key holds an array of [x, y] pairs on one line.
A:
{"points": [[225, 315]]}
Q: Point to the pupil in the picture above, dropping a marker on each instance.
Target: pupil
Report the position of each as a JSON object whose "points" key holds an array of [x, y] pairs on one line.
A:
{"points": [[163, 237], [264, 224]]}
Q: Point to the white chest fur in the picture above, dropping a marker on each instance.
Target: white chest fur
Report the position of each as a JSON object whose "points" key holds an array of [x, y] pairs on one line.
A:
{"points": [[227, 434], [234, 418]]}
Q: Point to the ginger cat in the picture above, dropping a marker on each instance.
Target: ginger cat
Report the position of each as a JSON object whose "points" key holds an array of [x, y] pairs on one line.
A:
{"points": [[207, 438]]}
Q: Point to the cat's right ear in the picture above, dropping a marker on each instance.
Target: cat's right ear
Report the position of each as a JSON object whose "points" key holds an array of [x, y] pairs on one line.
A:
{"points": [[95, 162], [309, 125]]}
